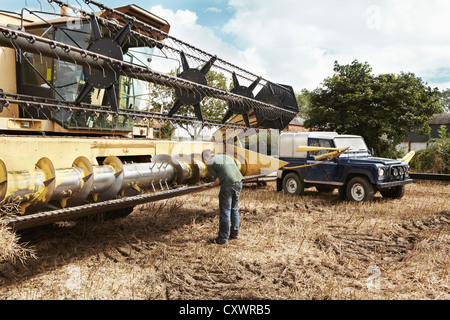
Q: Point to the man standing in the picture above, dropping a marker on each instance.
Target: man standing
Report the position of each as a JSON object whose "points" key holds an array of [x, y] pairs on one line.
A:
{"points": [[226, 174]]}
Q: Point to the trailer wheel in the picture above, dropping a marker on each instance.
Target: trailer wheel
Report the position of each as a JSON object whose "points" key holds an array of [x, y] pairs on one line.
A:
{"points": [[293, 185], [359, 189], [393, 193]]}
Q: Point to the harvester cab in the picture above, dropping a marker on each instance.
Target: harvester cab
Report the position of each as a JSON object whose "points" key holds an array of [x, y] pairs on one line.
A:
{"points": [[62, 81], [76, 111]]}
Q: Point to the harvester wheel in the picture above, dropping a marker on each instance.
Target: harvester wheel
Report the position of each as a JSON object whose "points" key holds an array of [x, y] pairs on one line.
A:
{"points": [[293, 185]]}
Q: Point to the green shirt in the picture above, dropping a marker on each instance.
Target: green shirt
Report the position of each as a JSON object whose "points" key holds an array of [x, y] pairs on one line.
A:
{"points": [[224, 168]]}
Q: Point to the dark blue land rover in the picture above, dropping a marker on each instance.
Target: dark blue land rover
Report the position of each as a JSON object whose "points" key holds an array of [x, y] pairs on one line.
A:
{"points": [[356, 174]]}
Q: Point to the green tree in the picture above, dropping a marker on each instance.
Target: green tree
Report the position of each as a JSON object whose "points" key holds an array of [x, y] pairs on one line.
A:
{"points": [[445, 100], [167, 129], [303, 102], [443, 149], [163, 98], [382, 108]]}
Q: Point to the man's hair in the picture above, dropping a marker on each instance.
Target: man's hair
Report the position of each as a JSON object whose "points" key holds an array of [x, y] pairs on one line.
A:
{"points": [[206, 154]]}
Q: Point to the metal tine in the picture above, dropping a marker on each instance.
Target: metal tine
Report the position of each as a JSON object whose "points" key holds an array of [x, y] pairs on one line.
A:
{"points": [[40, 4], [112, 69], [11, 113], [18, 56], [80, 4]]}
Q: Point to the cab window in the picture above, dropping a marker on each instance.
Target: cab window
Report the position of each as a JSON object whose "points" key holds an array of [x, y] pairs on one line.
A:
{"points": [[323, 143]]}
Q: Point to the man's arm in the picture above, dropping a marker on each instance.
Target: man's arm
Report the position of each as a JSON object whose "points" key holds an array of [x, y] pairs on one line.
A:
{"points": [[213, 173], [215, 183]]}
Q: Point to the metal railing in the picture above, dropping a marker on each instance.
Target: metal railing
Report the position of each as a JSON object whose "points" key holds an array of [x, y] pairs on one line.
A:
{"points": [[430, 176]]}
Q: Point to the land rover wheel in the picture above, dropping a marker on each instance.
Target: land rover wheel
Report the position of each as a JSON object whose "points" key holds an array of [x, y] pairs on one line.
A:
{"points": [[393, 193], [359, 189], [292, 184]]}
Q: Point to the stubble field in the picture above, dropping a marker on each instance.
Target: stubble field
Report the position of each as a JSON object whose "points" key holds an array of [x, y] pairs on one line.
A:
{"points": [[289, 248]]}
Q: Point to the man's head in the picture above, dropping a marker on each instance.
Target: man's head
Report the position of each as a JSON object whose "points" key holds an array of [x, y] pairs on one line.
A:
{"points": [[206, 155]]}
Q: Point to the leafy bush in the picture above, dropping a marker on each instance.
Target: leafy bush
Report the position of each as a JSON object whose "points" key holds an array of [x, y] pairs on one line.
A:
{"points": [[443, 145], [435, 158]]}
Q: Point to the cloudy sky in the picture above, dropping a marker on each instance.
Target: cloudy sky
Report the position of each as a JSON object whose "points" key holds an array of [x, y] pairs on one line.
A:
{"points": [[296, 42]]}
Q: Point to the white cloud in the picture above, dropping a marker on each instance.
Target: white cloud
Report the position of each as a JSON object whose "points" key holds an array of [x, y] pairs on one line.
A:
{"points": [[184, 27], [296, 42], [213, 9]]}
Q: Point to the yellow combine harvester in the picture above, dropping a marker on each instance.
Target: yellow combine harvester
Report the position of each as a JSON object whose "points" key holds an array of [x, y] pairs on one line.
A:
{"points": [[71, 109]]}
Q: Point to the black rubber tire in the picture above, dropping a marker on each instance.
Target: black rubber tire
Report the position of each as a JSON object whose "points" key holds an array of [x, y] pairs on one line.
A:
{"points": [[359, 189], [393, 193], [293, 185], [342, 193]]}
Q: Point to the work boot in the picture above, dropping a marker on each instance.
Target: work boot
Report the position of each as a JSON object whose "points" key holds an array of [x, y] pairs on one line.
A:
{"points": [[218, 241], [233, 234]]}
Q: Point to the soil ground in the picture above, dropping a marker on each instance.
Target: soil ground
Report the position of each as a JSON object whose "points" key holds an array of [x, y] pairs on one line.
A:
{"points": [[289, 248]]}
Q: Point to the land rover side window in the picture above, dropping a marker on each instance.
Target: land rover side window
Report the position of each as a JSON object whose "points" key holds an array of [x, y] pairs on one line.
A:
{"points": [[319, 143]]}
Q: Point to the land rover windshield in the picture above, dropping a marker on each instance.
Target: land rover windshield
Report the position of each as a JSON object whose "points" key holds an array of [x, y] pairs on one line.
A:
{"points": [[356, 144]]}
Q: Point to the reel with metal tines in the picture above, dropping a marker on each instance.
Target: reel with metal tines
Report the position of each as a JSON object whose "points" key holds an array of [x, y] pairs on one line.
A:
{"points": [[103, 63]]}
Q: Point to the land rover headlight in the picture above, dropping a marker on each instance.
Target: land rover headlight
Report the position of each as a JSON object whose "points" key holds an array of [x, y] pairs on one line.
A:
{"points": [[395, 172], [381, 172]]}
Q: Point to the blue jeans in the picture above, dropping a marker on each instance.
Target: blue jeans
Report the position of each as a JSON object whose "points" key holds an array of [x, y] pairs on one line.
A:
{"points": [[229, 214]]}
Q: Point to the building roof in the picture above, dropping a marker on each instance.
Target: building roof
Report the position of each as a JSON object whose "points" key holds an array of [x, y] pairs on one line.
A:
{"points": [[297, 121], [440, 119]]}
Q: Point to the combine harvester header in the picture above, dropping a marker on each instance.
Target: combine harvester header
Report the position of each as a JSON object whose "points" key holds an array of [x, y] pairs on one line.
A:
{"points": [[74, 84]]}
